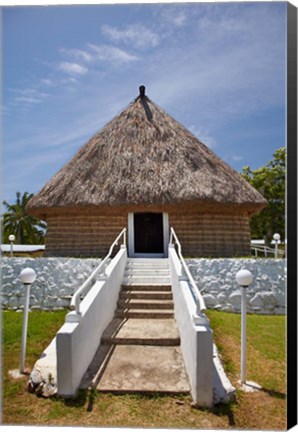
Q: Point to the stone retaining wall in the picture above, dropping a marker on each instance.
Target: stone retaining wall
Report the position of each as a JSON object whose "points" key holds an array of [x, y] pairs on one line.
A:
{"points": [[217, 283], [58, 278]]}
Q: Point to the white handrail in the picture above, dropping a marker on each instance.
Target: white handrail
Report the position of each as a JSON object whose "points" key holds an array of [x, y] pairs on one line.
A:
{"points": [[201, 307], [266, 250], [76, 300]]}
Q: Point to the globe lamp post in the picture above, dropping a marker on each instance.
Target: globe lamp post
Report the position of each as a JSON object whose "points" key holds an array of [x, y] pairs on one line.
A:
{"points": [[11, 238], [27, 276], [244, 279], [276, 238]]}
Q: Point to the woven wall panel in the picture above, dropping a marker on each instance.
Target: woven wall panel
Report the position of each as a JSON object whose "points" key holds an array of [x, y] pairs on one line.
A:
{"points": [[212, 235], [82, 236], [200, 235]]}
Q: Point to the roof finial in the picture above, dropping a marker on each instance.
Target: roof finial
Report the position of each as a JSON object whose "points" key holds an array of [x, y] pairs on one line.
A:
{"points": [[142, 91]]}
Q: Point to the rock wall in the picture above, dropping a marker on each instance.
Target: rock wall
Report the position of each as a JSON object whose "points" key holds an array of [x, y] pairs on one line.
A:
{"points": [[58, 278], [217, 283]]}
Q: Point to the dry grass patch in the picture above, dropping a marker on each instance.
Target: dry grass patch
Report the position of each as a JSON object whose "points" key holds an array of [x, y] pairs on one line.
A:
{"points": [[266, 365], [262, 410]]}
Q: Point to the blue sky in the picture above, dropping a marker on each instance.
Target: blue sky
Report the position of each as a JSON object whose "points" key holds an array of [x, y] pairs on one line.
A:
{"points": [[217, 68]]}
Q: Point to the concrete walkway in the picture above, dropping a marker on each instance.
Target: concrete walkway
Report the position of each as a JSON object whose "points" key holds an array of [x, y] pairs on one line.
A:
{"points": [[142, 356], [145, 331], [140, 349]]}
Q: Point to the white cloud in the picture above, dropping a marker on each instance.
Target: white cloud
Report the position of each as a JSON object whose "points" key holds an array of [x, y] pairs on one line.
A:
{"points": [[170, 16], [237, 158], [27, 100], [180, 19], [27, 97], [31, 92], [111, 54], [93, 55], [203, 136], [73, 69], [47, 82], [227, 71], [137, 35], [77, 54]]}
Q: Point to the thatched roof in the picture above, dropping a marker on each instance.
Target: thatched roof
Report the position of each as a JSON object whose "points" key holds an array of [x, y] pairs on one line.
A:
{"points": [[145, 157]]}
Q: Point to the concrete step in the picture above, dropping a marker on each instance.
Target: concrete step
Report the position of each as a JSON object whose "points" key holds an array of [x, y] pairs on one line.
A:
{"points": [[146, 267], [158, 332], [146, 280], [147, 272], [132, 286], [137, 369], [145, 304], [144, 313], [148, 261], [154, 295]]}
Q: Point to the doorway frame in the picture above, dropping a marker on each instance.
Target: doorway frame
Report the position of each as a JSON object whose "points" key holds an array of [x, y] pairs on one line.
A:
{"points": [[131, 238]]}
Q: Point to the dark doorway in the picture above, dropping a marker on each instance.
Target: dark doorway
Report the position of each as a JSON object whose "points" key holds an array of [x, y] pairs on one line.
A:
{"points": [[148, 233]]}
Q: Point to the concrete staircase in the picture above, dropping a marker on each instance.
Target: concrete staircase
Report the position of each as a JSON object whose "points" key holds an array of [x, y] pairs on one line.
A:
{"points": [[140, 349], [146, 290], [147, 272]]}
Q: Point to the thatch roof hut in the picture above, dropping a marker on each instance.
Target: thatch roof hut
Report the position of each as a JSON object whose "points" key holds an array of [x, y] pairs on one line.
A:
{"points": [[143, 162]]}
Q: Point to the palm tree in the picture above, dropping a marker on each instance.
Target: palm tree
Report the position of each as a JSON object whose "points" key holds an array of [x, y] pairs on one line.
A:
{"points": [[27, 229]]}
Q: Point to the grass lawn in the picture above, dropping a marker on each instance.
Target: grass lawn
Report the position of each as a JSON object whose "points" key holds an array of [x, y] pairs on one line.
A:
{"points": [[265, 409]]}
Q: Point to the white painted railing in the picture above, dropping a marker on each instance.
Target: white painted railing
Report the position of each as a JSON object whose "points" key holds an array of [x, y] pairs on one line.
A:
{"points": [[76, 298], [267, 250], [194, 328], [80, 336], [201, 307]]}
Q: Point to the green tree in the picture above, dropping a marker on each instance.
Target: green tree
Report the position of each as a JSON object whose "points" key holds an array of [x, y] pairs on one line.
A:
{"points": [[269, 180], [16, 220]]}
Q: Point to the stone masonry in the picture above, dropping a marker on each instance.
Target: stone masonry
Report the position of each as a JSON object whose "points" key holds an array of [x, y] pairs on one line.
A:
{"points": [[58, 278], [216, 281]]}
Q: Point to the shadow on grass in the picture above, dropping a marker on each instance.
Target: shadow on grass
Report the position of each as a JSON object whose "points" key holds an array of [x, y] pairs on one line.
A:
{"points": [[273, 393], [88, 397], [92, 394], [73, 402], [221, 410], [225, 410], [91, 398]]}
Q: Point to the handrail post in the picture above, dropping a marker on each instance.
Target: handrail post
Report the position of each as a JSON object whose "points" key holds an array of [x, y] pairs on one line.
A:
{"points": [[171, 236], [199, 317], [75, 301], [77, 304]]}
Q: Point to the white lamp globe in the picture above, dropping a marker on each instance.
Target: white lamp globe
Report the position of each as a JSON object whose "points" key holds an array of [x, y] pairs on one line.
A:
{"points": [[244, 277], [27, 275], [11, 238], [276, 236]]}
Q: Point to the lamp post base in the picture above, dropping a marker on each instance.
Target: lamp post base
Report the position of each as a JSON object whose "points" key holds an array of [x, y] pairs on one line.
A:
{"points": [[249, 386], [16, 374]]}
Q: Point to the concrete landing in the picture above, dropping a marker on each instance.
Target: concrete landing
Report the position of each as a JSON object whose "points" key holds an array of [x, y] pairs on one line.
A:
{"points": [[162, 332], [143, 313], [137, 369]]}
